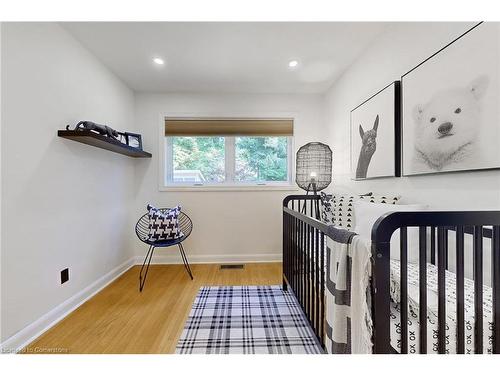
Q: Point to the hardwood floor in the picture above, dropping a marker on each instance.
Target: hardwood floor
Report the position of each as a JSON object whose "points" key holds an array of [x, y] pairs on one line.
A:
{"points": [[121, 320]]}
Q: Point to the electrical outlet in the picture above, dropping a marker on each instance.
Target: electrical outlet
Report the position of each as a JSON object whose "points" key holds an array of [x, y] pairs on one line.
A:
{"points": [[64, 275]]}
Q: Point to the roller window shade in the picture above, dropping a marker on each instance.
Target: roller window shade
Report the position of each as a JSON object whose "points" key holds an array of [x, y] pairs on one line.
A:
{"points": [[228, 127]]}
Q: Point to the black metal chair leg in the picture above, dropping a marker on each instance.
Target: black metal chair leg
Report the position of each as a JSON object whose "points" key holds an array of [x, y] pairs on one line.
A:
{"points": [[185, 261], [141, 280]]}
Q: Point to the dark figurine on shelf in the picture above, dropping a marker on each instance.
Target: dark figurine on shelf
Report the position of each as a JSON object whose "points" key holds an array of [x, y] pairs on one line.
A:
{"points": [[101, 129]]}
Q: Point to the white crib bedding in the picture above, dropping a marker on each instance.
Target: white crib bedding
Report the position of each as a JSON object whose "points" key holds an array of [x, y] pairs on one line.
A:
{"points": [[432, 312]]}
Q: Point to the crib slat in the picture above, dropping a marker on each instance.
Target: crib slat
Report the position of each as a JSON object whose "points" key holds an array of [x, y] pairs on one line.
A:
{"points": [[311, 274], [316, 266], [322, 283], [307, 293], [311, 278], [422, 281], [403, 234], [495, 257], [290, 249], [292, 260], [297, 258], [433, 245], [478, 289], [296, 238], [302, 252], [288, 245], [445, 240], [296, 272], [304, 268], [285, 246], [441, 292], [292, 254], [304, 260], [460, 290]]}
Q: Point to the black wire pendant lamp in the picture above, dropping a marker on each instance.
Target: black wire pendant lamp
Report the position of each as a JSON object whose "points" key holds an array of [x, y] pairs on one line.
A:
{"points": [[313, 171]]}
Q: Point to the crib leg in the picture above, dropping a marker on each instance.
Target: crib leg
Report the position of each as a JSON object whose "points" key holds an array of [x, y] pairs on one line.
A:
{"points": [[285, 285]]}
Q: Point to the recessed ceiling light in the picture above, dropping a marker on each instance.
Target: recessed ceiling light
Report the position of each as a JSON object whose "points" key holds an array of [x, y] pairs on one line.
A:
{"points": [[293, 64], [158, 61]]}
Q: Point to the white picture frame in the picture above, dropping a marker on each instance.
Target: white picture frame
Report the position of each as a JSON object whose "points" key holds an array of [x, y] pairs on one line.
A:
{"points": [[374, 142], [450, 106]]}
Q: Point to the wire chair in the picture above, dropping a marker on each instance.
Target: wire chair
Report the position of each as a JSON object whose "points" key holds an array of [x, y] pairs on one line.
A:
{"points": [[142, 231]]}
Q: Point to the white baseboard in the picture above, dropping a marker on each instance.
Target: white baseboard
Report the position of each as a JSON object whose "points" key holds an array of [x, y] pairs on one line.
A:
{"points": [[28, 334], [175, 258]]}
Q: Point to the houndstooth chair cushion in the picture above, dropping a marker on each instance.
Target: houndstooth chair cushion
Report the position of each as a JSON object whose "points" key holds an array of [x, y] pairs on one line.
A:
{"points": [[164, 225]]}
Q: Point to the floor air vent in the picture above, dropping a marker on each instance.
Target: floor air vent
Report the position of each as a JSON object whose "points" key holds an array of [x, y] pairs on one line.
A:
{"points": [[231, 266]]}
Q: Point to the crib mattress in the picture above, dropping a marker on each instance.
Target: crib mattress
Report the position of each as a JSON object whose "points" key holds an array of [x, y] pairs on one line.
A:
{"points": [[432, 321]]}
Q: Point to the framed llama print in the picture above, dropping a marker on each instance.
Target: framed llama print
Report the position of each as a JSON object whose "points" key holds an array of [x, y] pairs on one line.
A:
{"points": [[374, 129], [451, 112]]}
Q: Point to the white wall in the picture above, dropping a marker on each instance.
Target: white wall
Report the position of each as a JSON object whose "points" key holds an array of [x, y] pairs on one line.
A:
{"points": [[397, 50], [400, 48], [228, 226], [64, 204]]}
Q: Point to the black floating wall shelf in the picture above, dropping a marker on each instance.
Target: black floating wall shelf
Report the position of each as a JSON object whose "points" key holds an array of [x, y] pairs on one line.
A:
{"points": [[90, 138]]}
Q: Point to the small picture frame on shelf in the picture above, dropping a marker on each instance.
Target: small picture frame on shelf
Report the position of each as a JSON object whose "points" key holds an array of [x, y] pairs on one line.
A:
{"points": [[122, 138], [133, 140]]}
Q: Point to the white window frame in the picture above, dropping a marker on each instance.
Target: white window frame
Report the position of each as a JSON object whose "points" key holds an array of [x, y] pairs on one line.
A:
{"points": [[165, 158]]}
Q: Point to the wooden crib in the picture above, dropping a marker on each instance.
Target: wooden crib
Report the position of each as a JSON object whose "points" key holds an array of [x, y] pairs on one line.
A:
{"points": [[304, 274]]}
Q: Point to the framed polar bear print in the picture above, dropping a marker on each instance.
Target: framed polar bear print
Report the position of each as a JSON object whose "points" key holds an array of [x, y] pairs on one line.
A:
{"points": [[450, 106]]}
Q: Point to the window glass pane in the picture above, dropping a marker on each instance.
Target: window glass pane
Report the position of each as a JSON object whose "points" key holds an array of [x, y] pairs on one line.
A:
{"points": [[198, 159], [261, 159]]}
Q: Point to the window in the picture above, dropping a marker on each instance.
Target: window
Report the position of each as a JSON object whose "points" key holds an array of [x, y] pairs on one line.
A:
{"points": [[198, 159], [228, 152], [260, 159]]}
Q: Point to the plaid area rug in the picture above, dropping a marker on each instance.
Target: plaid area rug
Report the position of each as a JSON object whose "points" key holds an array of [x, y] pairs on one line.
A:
{"points": [[247, 320]]}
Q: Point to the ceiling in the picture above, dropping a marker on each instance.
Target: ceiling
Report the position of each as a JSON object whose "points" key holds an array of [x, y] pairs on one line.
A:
{"points": [[244, 57]]}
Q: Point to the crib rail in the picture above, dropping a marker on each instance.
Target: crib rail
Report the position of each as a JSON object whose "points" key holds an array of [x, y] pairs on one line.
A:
{"points": [[308, 205], [304, 257], [434, 227]]}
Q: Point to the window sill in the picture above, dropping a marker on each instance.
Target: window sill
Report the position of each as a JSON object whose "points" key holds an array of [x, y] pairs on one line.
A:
{"points": [[231, 188]]}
